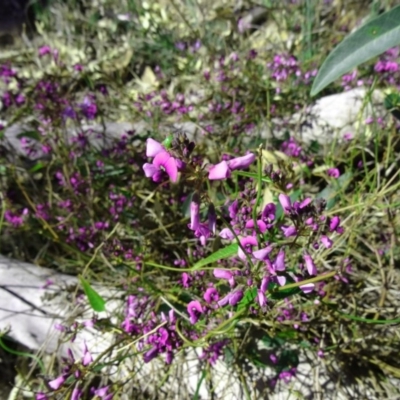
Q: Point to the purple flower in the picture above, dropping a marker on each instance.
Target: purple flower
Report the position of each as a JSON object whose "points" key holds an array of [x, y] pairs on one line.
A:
{"points": [[269, 212], [76, 393], [212, 218], [163, 162], [285, 203], [210, 295], [150, 354], [87, 357], [233, 209], [326, 242], [194, 212], [333, 172], [289, 231], [311, 268], [262, 226], [262, 300], [194, 310], [44, 50], [241, 162], [235, 297], [279, 264], [334, 223], [226, 233], [223, 169], [247, 243]]}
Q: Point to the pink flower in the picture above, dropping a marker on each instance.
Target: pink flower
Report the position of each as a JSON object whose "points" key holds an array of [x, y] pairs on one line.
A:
{"points": [[222, 274], [241, 162], [194, 310], [223, 169], [211, 295], [247, 243], [163, 162], [87, 357], [55, 384], [285, 202], [333, 172], [219, 171], [279, 264], [262, 254], [44, 50], [226, 233], [194, 212], [289, 231], [153, 148], [307, 288], [334, 223], [262, 300], [326, 242], [235, 297], [262, 226]]}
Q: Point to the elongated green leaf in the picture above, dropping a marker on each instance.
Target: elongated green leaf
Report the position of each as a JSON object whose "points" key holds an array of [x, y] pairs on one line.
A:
{"points": [[370, 40], [226, 252], [95, 300], [30, 135]]}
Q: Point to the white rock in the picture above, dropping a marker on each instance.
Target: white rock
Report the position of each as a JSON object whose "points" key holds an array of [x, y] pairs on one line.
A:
{"points": [[331, 117]]}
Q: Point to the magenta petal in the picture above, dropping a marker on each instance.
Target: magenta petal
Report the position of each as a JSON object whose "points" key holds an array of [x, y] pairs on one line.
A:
{"points": [[167, 162], [241, 162], [326, 242], [149, 170], [194, 308], [262, 254], [281, 280], [153, 147], [279, 264], [285, 202], [262, 300], [311, 268], [264, 284], [307, 288], [194, 213], [222, 274], [226, 233], [235, 297], [55, 384], [219, 171], [172, 169], [210, 295]]}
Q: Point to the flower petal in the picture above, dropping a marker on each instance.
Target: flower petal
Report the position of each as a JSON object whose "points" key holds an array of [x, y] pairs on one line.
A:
{"points": [[153, 147], [241, 162], [219, 171]]}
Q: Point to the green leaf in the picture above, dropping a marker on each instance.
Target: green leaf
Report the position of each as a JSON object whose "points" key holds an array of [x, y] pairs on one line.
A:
{"points": [[372, 39], [249, 296], [392, 103], [281, 294], [95, 300], [330, 193], [220, 254], [37, 167], [30, 135], [186, 206]]}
